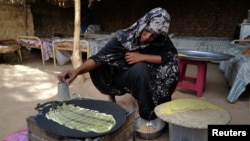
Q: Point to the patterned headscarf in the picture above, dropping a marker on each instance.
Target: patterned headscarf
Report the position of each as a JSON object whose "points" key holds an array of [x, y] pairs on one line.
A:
{"points": [[156, 20]]}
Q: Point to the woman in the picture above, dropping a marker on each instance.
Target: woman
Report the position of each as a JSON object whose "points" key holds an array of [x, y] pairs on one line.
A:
{"points": [[140, 60]]}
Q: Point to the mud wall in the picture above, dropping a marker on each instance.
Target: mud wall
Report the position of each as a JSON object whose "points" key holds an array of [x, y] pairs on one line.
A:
{"points": [[201, 18]]}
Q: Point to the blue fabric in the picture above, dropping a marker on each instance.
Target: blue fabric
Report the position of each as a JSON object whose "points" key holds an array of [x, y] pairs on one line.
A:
{"points": [[236, 71]]}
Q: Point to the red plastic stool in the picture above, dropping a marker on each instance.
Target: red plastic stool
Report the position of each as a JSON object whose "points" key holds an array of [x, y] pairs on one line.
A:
{"points": [[192, 83]]}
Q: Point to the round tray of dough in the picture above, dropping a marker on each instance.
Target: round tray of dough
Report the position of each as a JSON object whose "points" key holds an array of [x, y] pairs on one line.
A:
{"points": [[192, 113]]}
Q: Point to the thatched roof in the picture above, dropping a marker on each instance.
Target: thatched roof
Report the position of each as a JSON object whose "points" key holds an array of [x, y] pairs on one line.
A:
{"points": [[60, 3], [16, 2]]}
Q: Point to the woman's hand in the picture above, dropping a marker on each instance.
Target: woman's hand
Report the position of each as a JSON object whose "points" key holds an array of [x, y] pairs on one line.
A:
{"points": [[67, 76], [133, 57]]}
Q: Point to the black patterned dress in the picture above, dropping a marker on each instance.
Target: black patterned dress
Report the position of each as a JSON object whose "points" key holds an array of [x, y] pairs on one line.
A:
{"points": [[150, 84]]}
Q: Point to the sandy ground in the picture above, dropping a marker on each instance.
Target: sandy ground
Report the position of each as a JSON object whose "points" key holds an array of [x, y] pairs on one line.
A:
{"points": [[24, 86]]}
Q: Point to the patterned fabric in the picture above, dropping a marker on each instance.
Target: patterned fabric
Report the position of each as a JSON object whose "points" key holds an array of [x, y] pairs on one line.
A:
{"points": [[236, 71], [93, 29], [46, 46], [157, 20], [165, 76]]}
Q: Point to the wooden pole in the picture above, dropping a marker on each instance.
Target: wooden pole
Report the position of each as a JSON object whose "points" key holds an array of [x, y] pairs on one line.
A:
{"points": [[76, 58]]}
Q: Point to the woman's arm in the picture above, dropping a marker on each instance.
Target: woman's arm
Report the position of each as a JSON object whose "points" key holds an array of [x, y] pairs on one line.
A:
{"points": [[87, 66], [69, 75], [135, 57], [159, 52]]}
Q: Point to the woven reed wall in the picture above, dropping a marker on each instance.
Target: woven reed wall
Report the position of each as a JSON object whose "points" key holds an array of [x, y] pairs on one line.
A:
{"points": [[13, 21], [50, 20]]}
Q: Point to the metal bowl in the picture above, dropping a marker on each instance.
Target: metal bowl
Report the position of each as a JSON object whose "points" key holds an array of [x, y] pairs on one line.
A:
{"points": [[149, 129]]}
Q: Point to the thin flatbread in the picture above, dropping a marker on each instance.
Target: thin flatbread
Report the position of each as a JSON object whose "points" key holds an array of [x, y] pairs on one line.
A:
{"points": [[82, 119]]}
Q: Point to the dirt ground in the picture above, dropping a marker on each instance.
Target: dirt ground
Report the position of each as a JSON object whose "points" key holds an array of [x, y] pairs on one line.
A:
{"points": [[25, 85]]}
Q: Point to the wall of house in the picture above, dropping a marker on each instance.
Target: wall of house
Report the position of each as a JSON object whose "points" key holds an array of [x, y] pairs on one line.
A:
{"points": [[216, 18], [210, 18], [51, 20], [38, 18]]}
